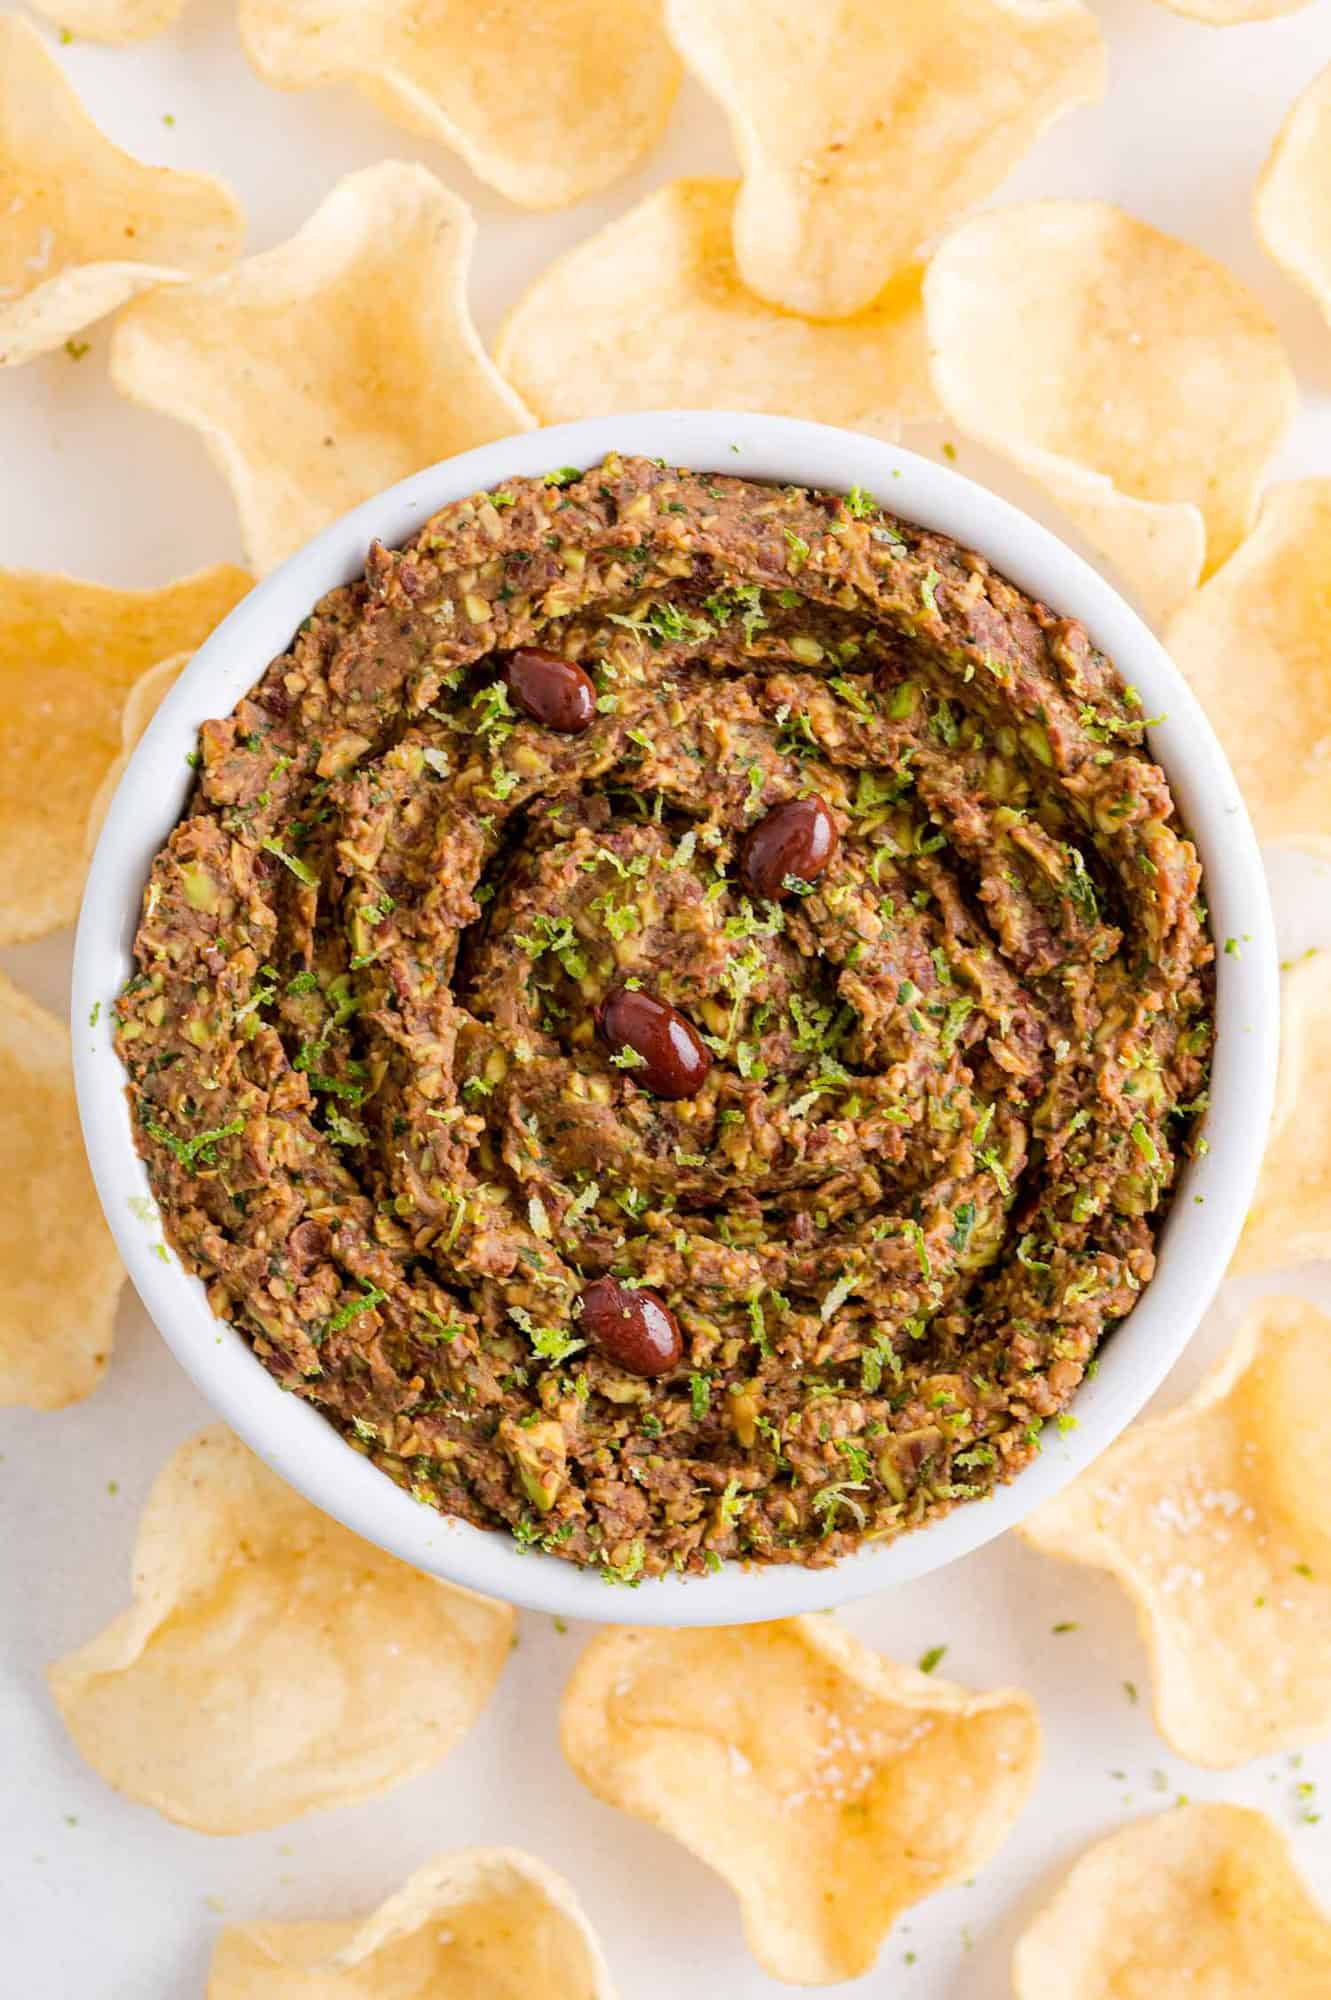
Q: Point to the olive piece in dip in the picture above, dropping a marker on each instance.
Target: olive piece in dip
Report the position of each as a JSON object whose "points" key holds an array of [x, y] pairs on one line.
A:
{"points": [[551, 689], [671, 1059], [795, 839], [635, 1330]]}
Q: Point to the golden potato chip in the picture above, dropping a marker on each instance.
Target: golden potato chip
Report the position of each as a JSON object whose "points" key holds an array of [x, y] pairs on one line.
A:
{"points": [[1293, 205], [1255, 642], [356, 330], [70, 653], [828, 1786], [83, 227], [141, 705], [546, 103], [272, 1663], [484, 1923], [60, 1273], [1078, 341], [114, 21], [1290, 1218], [650, 313], [1230, 13], [1213, 1519], [1202, 1901], [1158, 547], [864, 128]]}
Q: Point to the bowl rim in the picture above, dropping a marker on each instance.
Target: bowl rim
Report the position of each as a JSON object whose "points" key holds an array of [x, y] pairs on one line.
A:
{"points": [[1209, 1204]]}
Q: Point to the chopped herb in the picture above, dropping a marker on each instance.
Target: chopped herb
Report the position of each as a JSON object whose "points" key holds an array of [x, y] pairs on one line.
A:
{"points": [[836, 1298], [369, 1298], [201, 1147], [300, 869], [828, 1500], [664, 622], [1144, 1143]]}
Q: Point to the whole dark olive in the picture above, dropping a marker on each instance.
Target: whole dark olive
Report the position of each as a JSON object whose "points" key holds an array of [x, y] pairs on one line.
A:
{"points": [[635, 1330], [551, 689], [672, 1061], [797, 838]]}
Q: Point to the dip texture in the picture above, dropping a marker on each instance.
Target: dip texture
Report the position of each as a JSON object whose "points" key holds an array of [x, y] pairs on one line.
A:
{"points": [[811, 1258]]}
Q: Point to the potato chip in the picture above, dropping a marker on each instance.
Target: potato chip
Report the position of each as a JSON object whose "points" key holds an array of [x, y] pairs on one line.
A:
{"points": [[1255, 642], [83, 227], [1293, 205], [62, 1276], [859, 141], [546, 103], [1078, 341], [357, 330], [70, 653], [1203, 1900], [1230, 13], [1214, 1521], [114, 21], [650, 313], [484, 1923], [272, 1663], [828, 1786], [1290, 1218], [141, 705], [1157, 547]]}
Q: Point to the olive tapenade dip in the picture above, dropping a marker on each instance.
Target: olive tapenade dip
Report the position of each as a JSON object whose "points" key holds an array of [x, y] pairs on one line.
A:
{"points": [[671, 1015]]}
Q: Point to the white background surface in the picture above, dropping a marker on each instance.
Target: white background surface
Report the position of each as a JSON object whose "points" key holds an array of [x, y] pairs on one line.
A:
{"points": [[102, 1900]]}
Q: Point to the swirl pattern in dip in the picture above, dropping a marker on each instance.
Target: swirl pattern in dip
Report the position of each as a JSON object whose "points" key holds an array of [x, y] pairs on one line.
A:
{"points": [[392, 961]]}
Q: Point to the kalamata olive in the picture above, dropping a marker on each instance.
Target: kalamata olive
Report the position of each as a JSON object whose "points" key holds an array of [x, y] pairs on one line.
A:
{"points": [[672, 1060], [635, 1330], [797, 838], [551, 689]]}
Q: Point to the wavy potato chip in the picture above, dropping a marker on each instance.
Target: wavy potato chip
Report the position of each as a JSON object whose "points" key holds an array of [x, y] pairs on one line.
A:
{"points": [[828, 1786], [356, 330], [1080, 342], [271, 1663], [547, 104], [484, 1923], [1255, 642], [1231, 13], [863, 128], [70, 654], [1213, 1519], [60, 1276], [1292, 209], [1290, 1218], [141, 705], [1203, 1900], [651, 313], [83, 227], [113, 21], [1159, 547]]}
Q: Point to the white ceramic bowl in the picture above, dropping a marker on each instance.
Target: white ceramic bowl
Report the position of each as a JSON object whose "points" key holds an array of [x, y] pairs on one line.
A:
{"points": [[1210, 1202]]}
